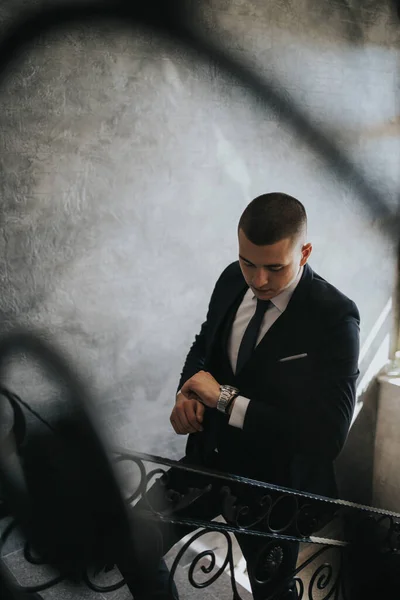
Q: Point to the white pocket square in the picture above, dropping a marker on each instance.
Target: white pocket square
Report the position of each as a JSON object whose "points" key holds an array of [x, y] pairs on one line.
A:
{"points": [[294, 357]]}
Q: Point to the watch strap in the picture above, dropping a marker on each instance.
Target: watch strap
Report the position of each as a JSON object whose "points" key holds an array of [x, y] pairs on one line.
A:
{"points": [[227, 394]]}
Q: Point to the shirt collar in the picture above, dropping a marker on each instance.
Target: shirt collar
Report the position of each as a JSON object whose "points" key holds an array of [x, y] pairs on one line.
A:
{"points": [[282, 300]]}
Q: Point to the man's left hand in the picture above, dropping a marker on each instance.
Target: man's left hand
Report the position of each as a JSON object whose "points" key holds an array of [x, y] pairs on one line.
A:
{"points": [[205, 386]]}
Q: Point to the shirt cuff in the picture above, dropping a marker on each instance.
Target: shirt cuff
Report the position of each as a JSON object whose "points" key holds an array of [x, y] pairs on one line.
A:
{"points": [[239, 412]]}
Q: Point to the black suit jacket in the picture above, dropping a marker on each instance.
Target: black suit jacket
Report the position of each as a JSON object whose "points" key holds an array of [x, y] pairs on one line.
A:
{"points": [[301, 410]]}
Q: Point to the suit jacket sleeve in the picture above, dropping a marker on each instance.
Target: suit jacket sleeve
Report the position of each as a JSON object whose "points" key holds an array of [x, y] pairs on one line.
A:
{"points": [[196, 357], [323, 405]]}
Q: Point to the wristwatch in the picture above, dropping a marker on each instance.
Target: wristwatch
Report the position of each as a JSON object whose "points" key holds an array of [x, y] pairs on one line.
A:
{"points": [[227, 394]]}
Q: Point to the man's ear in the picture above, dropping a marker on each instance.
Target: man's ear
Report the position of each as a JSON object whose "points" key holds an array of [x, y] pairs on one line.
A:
{"points": [[305, 253]]}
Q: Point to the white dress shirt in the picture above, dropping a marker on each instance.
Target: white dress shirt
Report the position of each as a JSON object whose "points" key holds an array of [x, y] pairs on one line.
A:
{"points": [[244, 313]]}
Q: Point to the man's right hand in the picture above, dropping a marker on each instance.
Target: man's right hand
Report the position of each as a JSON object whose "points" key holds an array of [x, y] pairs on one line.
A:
{"points": [[187, 414]]}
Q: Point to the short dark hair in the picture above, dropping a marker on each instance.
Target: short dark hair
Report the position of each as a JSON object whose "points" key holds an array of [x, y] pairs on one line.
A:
{"points": [[270, 218]]}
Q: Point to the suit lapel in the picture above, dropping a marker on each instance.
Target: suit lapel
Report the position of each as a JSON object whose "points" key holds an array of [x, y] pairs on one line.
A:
{"points": [[285, 327], [274, 341], [232, 297]]}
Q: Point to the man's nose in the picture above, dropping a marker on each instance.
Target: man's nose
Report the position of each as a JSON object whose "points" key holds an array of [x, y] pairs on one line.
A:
{"points": [[260, 279]]}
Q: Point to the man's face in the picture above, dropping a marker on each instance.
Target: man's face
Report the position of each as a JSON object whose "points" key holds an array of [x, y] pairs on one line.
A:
{"points": [[268, 270]]}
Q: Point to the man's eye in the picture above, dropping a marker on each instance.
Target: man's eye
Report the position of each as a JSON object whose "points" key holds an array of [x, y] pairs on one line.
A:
{"points": [[275, 268]]}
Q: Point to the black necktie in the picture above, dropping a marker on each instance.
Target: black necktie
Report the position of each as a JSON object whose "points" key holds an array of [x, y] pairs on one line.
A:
{"points": [[251, 334]]}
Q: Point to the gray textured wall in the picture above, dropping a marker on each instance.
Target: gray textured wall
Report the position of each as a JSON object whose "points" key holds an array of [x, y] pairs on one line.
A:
{"points": [[126, 165]]}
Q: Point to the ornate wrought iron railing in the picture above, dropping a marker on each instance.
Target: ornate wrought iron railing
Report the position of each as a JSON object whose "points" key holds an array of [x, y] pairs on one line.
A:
{"points": [[321, 575], [306, 515]]}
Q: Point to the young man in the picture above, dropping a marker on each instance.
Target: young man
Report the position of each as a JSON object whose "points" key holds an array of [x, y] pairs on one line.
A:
{"points": [[286, 344]]}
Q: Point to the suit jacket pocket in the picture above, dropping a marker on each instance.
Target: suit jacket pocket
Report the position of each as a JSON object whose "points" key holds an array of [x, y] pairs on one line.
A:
{"points": [[292, 369], [293, 357]]}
